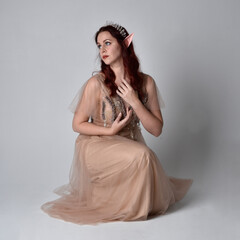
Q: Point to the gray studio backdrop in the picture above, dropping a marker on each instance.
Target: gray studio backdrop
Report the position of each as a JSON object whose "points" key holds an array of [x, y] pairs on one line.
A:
{"points": [[191, 48]]}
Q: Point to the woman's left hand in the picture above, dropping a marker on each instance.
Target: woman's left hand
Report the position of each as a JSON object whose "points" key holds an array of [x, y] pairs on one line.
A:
{"points": [[127, 93]]}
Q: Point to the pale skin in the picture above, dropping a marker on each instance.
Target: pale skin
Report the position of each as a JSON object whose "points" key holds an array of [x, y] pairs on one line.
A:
{"points": [[151, 120]]}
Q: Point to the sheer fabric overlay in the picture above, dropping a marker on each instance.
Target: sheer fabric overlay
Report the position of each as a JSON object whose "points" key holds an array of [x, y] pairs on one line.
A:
{"points": [[155, 94], [114, 178]]}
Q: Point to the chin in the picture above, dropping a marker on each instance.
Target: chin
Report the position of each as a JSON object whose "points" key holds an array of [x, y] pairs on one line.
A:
{"points": [[107, 63]]}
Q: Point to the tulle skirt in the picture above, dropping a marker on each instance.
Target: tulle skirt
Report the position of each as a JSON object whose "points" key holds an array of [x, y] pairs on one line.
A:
{"points": [[114, 178]]}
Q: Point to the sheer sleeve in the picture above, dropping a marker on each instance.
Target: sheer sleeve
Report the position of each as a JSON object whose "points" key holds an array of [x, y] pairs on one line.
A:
{"points": [[154, 99], [86, 99]]}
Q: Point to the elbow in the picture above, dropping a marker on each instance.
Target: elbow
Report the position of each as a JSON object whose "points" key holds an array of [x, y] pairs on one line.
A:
{"points": [[77, 123], [158, 131], [75, 127]]}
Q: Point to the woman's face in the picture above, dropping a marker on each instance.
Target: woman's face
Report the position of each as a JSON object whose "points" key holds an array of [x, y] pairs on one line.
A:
{"points": [[109, 48]]}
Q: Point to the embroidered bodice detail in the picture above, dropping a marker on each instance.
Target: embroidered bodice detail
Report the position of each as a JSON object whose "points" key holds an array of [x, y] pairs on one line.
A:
{"points": [[111, 106]]}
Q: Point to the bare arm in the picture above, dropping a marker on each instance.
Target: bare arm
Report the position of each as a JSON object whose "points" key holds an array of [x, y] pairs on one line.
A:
{"points": [[87, 104], [151, 120], [81, 125]]}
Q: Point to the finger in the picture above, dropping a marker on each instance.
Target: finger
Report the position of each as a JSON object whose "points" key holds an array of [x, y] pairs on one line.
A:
{"points": [[119, 93], [129, 113], [122, 89], [123, 86], [129, 109], [127, 119], [118, 117], [126, 83]]}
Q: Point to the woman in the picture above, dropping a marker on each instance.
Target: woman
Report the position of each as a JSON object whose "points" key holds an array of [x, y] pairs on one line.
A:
{"points": [[114, 175]]}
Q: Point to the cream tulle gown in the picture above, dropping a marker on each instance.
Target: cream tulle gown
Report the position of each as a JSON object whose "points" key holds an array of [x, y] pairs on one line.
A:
{"points": [[114, 178]]}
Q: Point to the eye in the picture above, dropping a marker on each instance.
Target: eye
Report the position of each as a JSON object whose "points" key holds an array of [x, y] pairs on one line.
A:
{"points": [[99, 46], [107, 43]]}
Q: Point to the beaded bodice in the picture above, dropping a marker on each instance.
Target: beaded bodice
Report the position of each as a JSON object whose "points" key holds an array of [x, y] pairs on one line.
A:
{"points": [[110, 107]]}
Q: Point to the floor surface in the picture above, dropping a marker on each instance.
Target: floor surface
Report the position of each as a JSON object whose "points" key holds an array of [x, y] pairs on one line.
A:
{"points": [[210, 211]]}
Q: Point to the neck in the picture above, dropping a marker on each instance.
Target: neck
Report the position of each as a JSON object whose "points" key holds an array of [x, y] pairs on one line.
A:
{"points": [[118, 70]]}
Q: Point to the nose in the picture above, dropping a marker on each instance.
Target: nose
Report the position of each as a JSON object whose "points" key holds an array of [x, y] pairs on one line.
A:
{"points": [[103, 49]]}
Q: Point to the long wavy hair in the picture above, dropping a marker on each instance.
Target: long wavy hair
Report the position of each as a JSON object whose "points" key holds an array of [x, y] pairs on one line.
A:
{"points": [[130, 62]]}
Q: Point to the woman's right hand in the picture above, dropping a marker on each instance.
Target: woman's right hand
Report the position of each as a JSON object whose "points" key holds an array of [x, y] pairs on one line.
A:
{"points": [[119, 124]]}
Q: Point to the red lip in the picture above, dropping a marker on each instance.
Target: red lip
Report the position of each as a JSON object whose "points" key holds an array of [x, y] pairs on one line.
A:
{"points": [[105, 56]]}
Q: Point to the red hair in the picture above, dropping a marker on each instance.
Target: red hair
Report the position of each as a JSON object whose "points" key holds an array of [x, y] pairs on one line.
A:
{"points": [[130, 62]]}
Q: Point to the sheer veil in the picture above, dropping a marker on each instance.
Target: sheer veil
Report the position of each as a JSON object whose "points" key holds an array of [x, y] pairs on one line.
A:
{"points": [[157, 99]]}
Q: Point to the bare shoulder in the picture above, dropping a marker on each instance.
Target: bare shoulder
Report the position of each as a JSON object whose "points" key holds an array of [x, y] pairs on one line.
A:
{"points": [[148, 81], [94, 82]]}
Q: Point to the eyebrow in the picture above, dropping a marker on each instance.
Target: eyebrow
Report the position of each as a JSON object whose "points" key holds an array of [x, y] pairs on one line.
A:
{"points": [[105, 40]]}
